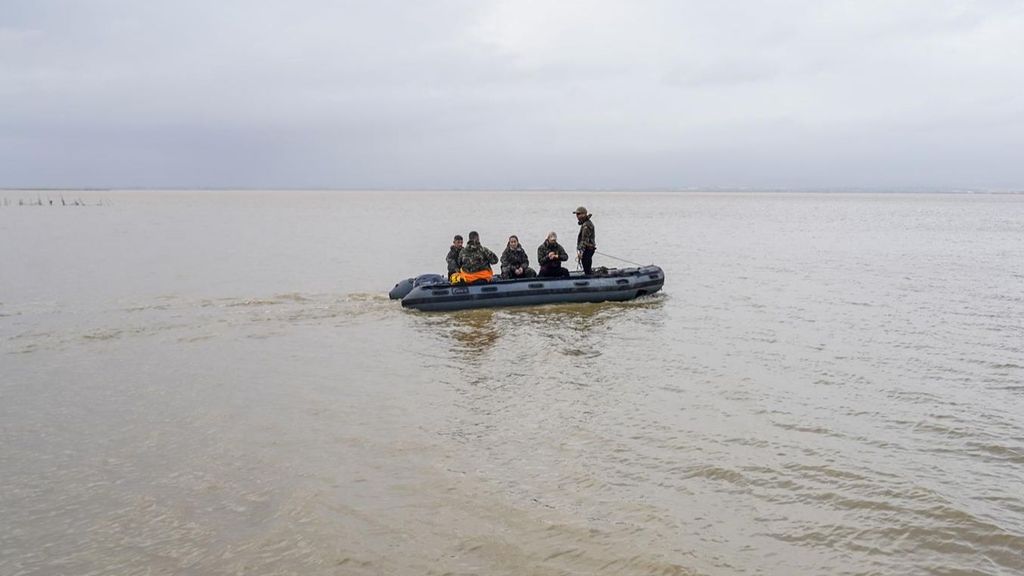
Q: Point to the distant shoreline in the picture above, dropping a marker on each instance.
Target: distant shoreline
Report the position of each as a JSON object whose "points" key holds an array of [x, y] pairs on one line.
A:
{"points": [[709, 190]]}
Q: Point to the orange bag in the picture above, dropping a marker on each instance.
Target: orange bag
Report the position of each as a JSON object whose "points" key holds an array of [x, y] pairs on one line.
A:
{"points": [[463, 277]]}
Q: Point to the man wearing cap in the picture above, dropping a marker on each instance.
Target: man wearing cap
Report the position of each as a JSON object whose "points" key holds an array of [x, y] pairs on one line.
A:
{"points": [[585, 241]]}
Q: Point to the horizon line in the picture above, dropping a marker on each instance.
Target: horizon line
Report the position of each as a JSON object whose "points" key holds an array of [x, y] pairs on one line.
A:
{"points": [[691, 189]]}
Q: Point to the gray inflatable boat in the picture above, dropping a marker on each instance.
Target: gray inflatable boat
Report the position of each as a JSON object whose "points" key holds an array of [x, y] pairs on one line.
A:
{"points": [[617, 285]]}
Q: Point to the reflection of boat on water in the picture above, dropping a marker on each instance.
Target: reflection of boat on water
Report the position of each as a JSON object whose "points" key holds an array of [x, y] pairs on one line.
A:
{"points": [[521, 332], [617, 285]]}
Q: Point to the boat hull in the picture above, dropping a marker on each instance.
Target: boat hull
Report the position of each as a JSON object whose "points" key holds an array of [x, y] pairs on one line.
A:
{"points": [[616, 286]]}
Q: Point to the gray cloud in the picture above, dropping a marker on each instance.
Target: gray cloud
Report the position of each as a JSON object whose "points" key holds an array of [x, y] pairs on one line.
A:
{"points": [[511, 94]]}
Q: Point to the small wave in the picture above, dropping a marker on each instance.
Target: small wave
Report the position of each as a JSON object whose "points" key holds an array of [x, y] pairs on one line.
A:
{"points": [[719, 474], [103, 334], [588, 353], [916, 397], [997, 452], [366, 297], [256, 302], [31, 335], [823, 472], [749, 441], [147, 307], [29, 342], [943, 430], [809, 429], [292, 297]]}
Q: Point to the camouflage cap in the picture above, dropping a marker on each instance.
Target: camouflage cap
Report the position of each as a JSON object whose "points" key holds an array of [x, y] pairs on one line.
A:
{"points": [[580, 210]]}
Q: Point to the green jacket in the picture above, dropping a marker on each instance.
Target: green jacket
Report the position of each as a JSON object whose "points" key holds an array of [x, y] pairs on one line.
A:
{"points": [[512, 259], [586, 238], [475, 257], [453, 260], [542, 253]]}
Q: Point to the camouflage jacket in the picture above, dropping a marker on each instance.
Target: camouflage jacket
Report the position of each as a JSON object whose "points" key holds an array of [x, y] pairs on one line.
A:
{"points": [[453, 260], [512, 259], [475, 257], [542, 254], [586, 238]]}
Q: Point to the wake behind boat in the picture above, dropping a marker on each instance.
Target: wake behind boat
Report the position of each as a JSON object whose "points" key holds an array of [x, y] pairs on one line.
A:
{"points": [[430, 292]]}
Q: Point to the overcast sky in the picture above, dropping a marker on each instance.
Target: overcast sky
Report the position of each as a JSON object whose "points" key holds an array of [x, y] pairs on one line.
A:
{"points": [[512, 94]]}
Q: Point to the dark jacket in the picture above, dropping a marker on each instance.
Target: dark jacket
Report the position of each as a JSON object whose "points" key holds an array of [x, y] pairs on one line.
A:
{"points": [[453, 260], [586, 239], [512, 259], [542, 254], [475, 257]]}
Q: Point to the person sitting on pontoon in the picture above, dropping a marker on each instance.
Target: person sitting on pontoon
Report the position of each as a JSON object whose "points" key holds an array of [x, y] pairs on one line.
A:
{"points": [[475, 262], [550, 256], [453, 256], [514, 261]]}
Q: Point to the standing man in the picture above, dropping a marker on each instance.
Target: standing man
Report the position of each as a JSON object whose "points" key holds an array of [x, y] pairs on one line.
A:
{"points": [[586, 244], [453, 256]]}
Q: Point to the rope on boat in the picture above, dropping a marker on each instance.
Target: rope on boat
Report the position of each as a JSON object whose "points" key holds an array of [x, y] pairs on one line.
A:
{"points": [[619, 259]]}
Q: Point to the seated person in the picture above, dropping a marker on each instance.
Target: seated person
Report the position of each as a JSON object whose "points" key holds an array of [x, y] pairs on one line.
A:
{"points": [[453, 256], [475, 262], [514, 261], [550, 255]]}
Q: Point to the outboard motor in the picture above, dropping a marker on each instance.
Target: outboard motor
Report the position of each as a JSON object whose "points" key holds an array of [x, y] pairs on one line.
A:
{"points": [[406, 286]]}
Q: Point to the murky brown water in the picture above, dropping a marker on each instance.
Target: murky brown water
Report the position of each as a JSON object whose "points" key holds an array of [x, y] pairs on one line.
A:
{"points": [[205, 383]]}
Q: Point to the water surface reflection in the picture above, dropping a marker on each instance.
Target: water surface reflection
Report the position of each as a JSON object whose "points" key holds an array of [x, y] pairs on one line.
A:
{"points": [[471, 337]]}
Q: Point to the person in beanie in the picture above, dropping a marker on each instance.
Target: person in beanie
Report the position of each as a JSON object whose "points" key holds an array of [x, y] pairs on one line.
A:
{"points": [[586, 244], [550, 256]]}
